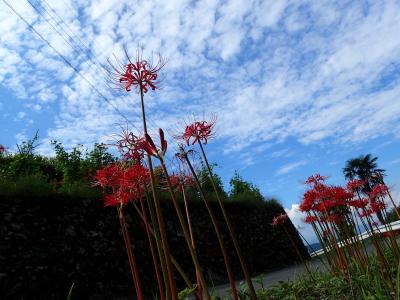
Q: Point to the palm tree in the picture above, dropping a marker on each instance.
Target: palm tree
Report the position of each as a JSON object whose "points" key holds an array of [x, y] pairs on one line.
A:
{"points": [[365, 168]]}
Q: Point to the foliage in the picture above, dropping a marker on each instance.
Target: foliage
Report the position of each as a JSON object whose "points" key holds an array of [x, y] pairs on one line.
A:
{"points": [[31, 185], [206, 182], [365, 168], [243, 190], [76, 164], [327, 286]]}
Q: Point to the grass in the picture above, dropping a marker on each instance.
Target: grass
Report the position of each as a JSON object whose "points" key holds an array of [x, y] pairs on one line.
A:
{"points": [[358, 285]]}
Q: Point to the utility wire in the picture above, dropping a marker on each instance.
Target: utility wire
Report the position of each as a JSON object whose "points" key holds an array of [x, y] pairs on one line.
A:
{"points": [[83, 47], [74, 48], [67, 62]]}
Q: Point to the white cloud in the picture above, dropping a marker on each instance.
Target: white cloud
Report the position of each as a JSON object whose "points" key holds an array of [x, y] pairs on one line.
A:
{"points": [[272, 69], [290, 167], [297, 218]]}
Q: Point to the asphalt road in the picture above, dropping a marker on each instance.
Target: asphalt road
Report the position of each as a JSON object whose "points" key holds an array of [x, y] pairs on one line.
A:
{"points": [[274, 278]]}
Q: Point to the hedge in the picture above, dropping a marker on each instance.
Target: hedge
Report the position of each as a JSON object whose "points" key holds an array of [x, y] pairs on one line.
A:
{"points": [[49, 243]]}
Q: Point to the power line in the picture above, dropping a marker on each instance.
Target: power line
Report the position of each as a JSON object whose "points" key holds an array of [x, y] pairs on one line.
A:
{"points": [[74, 48], [83, 47], [67, 62]]}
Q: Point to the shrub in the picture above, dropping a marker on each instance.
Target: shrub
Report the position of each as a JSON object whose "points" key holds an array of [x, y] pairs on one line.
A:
{"points": [[32, 185]]}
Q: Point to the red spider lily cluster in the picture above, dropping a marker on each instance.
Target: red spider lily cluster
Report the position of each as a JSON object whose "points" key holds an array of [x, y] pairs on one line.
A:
{"points": [[199, 131], [340, 214], [140, 74], [127, 181], [329, 203], [122, 185]]}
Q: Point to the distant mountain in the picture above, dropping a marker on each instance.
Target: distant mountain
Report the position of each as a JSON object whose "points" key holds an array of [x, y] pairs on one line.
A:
{"points": [[314, 247]]}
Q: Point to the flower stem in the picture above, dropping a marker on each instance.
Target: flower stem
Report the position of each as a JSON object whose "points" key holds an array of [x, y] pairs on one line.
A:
{"points": [[160, 219], [184, 230], [152, 251], [217, 230], [131, 256], [173, 260], [199, 287], [230, 228]]}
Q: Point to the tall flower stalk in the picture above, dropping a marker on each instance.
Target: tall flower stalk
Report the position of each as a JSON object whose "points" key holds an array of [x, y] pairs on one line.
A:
{"points": [[122, 185], [199, 132], [183, 155], [151, 149], [280, 221], [142, 75]]}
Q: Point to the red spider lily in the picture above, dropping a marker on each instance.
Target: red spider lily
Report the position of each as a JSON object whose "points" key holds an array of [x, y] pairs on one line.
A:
{"points": [[316, 178], [310, 219], [378, 190], [128, 145], [126, 184], [309, 199], [148, 145], [366, 212], [359, 203], [355, 185], [140, 74], [111, 200], [377, 206], [279, 220], [109, 176], [199, 131]]}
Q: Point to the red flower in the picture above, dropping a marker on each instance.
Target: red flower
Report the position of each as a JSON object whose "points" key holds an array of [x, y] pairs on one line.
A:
{"points": [[310, 219], [148, 145], [355, 185], [141, 73], [199, 131], [128, 145], [279, 220], [316, 178], [358, 203], [109, 176], [378, 190], [377, 206], [125, 184]]}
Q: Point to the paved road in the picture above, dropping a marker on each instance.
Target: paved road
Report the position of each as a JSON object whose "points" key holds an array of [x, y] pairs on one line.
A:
{"points": [[275, 277]]}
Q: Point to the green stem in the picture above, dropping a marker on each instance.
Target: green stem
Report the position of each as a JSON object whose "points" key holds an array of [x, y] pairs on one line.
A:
{"points": [[217, 230], [152, 251], [184, 229], [199, 287], [173, 260], [230, 228], [172, 284]]}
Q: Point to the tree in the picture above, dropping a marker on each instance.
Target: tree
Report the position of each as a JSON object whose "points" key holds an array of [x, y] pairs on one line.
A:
{"points": [[241, 189], [365, 168], [206, 182]]}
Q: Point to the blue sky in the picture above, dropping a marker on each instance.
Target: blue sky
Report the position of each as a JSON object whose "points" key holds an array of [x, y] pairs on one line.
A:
{"points": [[298, 86]]}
